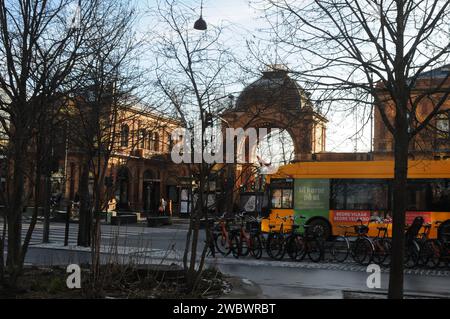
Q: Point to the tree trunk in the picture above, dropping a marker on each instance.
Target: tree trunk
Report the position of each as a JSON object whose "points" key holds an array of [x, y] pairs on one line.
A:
{"points": [[191, 275], [401, 139], [187, 245], [96, 231], [2, 248], [14, 219], [46, 230], [84, 233]]}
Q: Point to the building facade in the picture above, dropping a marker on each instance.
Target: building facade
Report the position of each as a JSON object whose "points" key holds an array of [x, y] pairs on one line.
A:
{"points": [[139, 173]]}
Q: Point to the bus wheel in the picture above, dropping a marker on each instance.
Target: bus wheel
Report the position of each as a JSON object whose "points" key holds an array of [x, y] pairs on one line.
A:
{"points": [[319, 228]]}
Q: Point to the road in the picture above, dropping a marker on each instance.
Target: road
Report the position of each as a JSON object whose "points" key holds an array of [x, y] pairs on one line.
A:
{"points": [[274, 279]]}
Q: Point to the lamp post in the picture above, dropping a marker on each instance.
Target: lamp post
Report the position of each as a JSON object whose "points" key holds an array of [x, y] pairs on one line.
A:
{"points": [[200, 24]]}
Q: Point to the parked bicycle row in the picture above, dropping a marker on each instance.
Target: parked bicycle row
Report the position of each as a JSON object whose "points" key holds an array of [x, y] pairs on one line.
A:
{"points": [[242, 236]]}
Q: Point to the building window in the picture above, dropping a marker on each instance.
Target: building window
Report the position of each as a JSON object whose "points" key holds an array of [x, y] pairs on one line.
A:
{"points": [[443, 125], [124, 135], [142, 136], [156, 141], [170, 142], [149, 141]]}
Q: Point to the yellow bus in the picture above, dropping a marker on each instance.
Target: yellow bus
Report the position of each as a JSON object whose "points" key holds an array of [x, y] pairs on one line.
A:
{"points": [[329, 194]]}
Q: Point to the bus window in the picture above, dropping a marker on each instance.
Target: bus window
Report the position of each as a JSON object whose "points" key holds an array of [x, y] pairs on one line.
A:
{"points": [[287, 198], [282, 193], [417, 195], [351, 194], [282, 198], [429, 195], [440, 200]]}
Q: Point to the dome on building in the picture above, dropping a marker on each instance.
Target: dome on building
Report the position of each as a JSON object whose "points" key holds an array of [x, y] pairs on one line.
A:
{"points": [[274, 88]]}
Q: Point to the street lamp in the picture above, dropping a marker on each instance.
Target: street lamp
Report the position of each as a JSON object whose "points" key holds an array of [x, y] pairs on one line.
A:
{"points": [[200, 24]]}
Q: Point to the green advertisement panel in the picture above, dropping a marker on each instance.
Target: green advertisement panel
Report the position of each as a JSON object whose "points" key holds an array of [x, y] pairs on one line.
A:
{"points": [[312, 197]]}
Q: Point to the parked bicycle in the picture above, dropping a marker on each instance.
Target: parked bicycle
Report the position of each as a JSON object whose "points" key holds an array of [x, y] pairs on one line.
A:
{"points": [[412, 243], [275, 240], [313, 244], [382, 247], [434, 251], [223, 238], [296, 245], [246, 241], [361, 249]]}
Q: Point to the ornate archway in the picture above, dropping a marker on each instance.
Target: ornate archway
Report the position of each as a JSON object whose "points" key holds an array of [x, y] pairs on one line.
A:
{"points": [[276, 101]]}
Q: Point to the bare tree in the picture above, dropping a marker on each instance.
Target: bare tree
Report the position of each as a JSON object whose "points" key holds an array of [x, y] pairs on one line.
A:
{"points": [[372, 52], [39, 47], [192, 74], [103, 100]]}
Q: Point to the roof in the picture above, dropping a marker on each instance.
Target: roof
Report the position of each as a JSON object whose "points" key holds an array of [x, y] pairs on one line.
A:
{"points": [[439, 73], [362, 169], [275, 87]]}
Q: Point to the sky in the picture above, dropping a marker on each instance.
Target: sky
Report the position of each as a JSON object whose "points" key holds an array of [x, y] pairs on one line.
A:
{"points": [[242, 21]]}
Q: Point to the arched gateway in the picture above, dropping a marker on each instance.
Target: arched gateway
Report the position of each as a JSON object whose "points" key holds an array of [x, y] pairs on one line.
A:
{"points": [[276, 101]]}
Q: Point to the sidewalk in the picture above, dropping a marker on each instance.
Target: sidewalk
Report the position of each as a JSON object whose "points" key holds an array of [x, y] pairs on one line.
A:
{"points": [[351, 294], [180, 220]]}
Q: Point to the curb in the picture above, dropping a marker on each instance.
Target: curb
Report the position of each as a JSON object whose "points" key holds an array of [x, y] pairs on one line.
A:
{"points": [[382, 294]]}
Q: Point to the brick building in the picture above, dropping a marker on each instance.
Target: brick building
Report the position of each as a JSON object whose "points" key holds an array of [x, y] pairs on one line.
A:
{"points": [[140, 171]]}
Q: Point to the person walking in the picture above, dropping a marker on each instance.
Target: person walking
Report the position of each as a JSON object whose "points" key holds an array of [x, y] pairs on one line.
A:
{"points": [[162, 206]]}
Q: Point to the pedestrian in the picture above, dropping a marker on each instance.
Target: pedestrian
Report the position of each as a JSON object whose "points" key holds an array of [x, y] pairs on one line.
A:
{"points": [[162, 206]]}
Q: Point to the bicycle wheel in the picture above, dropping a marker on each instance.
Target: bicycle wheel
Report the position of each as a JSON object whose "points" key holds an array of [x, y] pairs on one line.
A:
{"points": [[256, 246], [301, 247], [381, 251], [314, 247], [412, 254], [387, 260], [431, 252], [244, 247], [362, 251], [339, 249], [223, 245], [295, 246], [275, 246], [235, 245]]}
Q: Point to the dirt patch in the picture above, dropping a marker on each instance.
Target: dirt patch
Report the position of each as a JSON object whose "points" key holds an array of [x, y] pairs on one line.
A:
{"points": [[116, 281]]}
